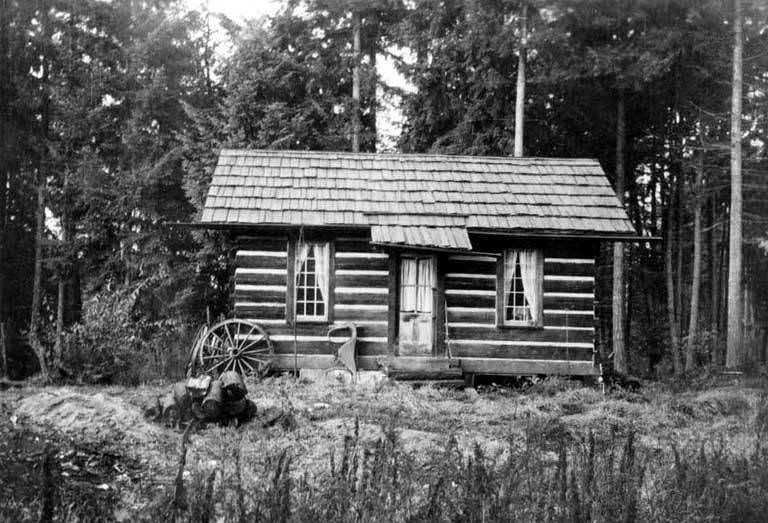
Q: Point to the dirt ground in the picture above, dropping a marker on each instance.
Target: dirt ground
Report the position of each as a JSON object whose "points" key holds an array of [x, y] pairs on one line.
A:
{"points": [[102, 441]]}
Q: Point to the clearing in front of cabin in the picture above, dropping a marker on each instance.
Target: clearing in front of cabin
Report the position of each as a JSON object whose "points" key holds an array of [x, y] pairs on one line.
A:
{"points": [[556, 450]]}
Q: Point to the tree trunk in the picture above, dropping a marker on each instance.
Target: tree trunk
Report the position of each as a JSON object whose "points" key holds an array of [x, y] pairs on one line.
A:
{"points": [[674, 334], [619, 349], [520, 93], [356, 83], [61, 303], [373, 100], [693, 323], [735, 345], [34, 320], [714, 283]]}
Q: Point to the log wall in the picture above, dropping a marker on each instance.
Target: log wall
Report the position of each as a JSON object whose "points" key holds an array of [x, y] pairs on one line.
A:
{"points": [[359, 283], [566, 336]]}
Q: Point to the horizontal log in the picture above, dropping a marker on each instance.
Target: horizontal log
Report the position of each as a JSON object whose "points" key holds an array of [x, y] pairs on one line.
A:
{"points": [[363, 298], [496, 366], [262, 261], [407, 375], [375, 264], [569, 303], [246, 310], [362, 348], [466, 266], [519, 334], [577, 286], [321, 329], [471, 300], [472, 315], [342, 312], [262, 243], [320, 361], [354, 245], [571, 320], [481, 350], [473, 283], [569, 269], [362, 280], [418, 364], [248, 278], [266, 295]]}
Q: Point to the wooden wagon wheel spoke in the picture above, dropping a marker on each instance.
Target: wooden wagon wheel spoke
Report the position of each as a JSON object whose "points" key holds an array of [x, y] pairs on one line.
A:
{"points": [[235, 344]]}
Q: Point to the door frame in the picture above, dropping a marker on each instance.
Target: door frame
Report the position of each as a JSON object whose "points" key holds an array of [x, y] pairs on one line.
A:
{"points": [[438, 303]]}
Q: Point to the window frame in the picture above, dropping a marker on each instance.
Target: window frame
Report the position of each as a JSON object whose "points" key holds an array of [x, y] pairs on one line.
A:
{"points": [[502, 292], [292, 302]]}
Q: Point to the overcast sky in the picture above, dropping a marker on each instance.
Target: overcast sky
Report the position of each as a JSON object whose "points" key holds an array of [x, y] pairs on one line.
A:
{"points": [[388, 118]]}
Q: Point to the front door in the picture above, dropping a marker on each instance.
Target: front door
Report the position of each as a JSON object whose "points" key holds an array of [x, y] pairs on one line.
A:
{"points": [[417, 291]]}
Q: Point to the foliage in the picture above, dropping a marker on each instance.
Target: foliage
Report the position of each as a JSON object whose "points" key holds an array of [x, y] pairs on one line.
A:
{"points": [[117, 343]]}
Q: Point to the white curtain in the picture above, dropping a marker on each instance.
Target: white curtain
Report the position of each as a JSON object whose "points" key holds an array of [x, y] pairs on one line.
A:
{"points": [[302, 251], [426, 278], [529, 270], [408, 284], [321, 252], [509, 272]]}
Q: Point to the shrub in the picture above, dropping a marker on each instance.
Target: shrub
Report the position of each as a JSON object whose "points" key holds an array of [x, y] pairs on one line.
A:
{"points": [[114, 344]]}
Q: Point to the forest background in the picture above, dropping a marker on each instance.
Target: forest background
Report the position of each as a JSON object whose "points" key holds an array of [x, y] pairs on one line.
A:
{"points": [[112, 114]]}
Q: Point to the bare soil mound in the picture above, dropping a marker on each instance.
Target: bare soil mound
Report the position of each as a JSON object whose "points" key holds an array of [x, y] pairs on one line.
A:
{"points": [[96, 416]]}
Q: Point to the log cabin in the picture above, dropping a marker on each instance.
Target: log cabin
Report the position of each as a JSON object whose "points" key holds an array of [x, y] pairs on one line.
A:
{"points": [[446, 265]]}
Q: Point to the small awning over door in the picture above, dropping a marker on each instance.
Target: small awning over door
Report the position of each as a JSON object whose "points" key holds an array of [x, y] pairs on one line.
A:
{"points": [[426, 231], [421, 236]]}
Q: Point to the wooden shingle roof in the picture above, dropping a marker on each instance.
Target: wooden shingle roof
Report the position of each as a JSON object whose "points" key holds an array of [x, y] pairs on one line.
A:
{"points": [[392, 191]]}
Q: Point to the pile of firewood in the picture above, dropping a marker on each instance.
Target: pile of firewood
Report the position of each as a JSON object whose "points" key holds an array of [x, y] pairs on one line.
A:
{"points": [[204, 399]]}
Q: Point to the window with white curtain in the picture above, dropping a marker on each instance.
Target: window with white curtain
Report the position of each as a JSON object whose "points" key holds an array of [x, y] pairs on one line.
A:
{"points": [[312, 276], [523, 287]]}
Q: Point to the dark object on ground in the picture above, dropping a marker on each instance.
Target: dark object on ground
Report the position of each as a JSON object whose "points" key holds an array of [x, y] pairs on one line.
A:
{"points": [[619, 381], [202, 399]]}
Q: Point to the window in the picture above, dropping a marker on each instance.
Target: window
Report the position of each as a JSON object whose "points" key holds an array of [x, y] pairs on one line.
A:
{"points": [[312, 270], [522, 288]]}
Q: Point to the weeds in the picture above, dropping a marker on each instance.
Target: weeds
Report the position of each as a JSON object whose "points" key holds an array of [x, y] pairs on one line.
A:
{"points": [[551, 475]]}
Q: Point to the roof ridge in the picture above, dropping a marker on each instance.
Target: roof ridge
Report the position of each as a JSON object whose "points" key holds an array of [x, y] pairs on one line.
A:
{"points": [[400, 156]]}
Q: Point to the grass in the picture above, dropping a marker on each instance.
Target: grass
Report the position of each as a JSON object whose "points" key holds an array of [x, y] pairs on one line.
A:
{"points": [[554, 451]]}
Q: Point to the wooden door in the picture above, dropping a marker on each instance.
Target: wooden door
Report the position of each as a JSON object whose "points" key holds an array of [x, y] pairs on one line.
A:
{"points": [[417, 296]]}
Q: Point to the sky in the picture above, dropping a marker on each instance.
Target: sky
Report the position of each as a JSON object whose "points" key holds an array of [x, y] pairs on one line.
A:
{"points": [[389, 118]]}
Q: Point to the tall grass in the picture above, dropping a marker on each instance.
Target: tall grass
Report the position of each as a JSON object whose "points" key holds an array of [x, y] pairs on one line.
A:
{"points": [[551, 475]]}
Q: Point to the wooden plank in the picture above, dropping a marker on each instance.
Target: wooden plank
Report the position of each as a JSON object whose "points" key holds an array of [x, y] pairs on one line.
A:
{"points": [[321, 329], [331, 299], [519, 334], [528, 367], [344, 312], [374, 279], [393, 303], [376, 264], [418, 363], [265, 262], [569, 286], [466, 283], [471, 315], [572, 320], [362, 298], [263, 243], [261, 278], [259, 295], [479, 266], [363, 348], [353, 245], [290, 295], [439, 307], [569, 303], [471, 300], [320, 361], [568, 269], [480, 350], [255, 310]]}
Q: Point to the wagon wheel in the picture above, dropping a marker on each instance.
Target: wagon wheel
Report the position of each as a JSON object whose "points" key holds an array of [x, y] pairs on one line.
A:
{"points": [[238, 345]]}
